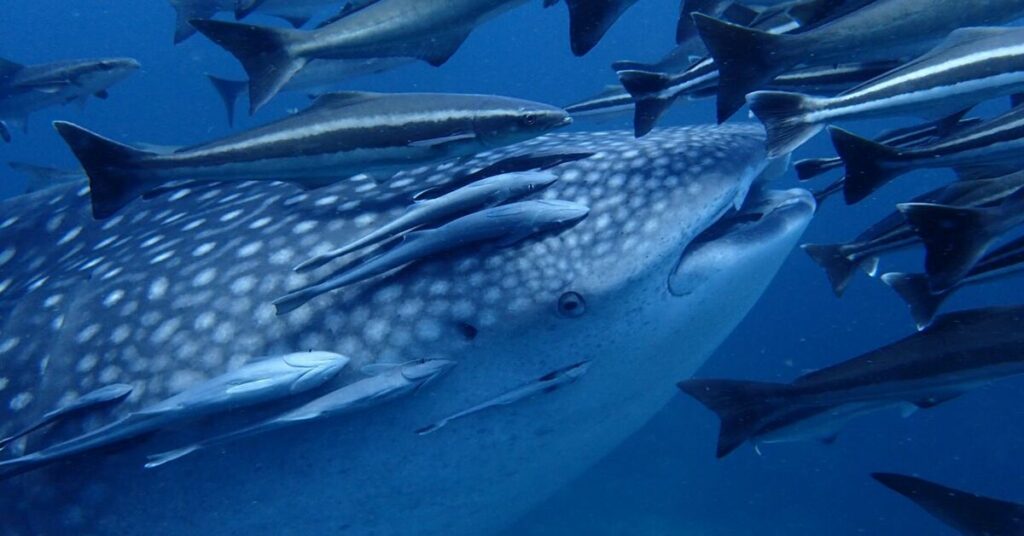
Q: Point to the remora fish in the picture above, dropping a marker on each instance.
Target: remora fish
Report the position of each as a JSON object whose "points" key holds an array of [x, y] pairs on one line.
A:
{"points": [[968, 513], [970, 66], [178, 290], [504, 225], [393, 381], [296, 12], [25, 89], [107, 395], [42, 177], [654, 92], [545, 384], [997, 143], [485, 192], [955, 238], [338, 136], [430, 31], [893, 233], [916, 291], [913, 136], [958, 353], [317, 78], [255, 383], [881, 30]]}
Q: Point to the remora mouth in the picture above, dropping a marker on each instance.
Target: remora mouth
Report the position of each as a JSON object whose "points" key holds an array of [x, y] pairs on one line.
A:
{"points": [[766, 219]]}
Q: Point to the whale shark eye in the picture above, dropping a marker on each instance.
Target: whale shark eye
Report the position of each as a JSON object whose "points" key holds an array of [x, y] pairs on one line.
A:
{"points": [[571, 305]]}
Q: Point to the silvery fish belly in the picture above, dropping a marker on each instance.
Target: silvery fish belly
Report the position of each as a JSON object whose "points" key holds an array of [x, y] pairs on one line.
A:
{"points": [[177, 289]]}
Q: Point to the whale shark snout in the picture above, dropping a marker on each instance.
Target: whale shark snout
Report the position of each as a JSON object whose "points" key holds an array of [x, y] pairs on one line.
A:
{"points": [[178, 289]]}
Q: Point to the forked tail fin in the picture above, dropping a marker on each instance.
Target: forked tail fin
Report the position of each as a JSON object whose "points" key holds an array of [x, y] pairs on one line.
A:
{"points": [[747, 60], [783, 116], [647, 89], [810, 168], [838, 267], [108, 164], [955, 239], [742, 406], [915, 290], [869, 164], [229, 91], [263, 52]]}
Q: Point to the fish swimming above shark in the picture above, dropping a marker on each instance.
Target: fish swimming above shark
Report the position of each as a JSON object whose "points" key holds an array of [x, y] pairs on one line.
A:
{"points": [[340, 135], [483, 193], [894, 233], [809, 168], [260, 382], [545, 384], [971, 66], [25, 89], [387, 383], [956, 238], [880, 30], [317, 78], [177, 289], [107, 395], [429, 31], [296, 12], [915, 289], [968, 513], [992, 148], [504, 225], [959, 352]]}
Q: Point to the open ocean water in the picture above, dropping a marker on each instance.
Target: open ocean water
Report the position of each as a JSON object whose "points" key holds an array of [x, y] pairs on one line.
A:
{"points": [[665, 479]]}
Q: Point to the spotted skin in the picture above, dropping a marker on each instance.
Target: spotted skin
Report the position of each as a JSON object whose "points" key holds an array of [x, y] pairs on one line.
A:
{"points": [[178, 289]]}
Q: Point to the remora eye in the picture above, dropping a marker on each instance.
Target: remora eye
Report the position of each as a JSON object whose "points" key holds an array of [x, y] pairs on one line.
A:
{"points": [[530, 119], [571, 305]]}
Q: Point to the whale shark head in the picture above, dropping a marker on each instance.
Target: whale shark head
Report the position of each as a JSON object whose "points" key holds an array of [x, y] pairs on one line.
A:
{"points": [[179, 288]]}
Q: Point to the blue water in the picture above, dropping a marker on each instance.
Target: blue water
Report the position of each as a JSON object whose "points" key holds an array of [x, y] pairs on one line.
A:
{"points": [[665, 480]]}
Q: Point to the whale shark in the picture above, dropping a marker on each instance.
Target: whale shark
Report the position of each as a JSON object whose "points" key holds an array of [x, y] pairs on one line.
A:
{"points": [[681, 238]]}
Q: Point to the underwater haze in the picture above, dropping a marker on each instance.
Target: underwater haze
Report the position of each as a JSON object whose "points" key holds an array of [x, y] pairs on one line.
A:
{"points": [[664, 479]]}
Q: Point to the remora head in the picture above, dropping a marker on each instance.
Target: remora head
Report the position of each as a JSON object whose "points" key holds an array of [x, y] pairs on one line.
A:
{"points": [[502, 121], [187, 279], [97, 75]]}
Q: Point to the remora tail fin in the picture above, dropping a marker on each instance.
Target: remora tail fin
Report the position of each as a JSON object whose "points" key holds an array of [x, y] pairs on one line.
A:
{"points": [[741, 406], [915, 290], [747, 59], [262, 51], [185, 11], [108, 164], [955, 238], [650, 104], [838, 267], [966, 512], [810, 168], [589, 20], [229, 91], [866, 164], [782, 114], [685, 30]]}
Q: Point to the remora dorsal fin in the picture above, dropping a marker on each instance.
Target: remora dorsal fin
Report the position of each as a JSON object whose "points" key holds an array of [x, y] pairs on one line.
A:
{"points": [[341, 98], [8, 67]]}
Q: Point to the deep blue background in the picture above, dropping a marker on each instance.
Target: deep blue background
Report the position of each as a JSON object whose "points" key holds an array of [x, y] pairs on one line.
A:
{"points": [[665, 480]]}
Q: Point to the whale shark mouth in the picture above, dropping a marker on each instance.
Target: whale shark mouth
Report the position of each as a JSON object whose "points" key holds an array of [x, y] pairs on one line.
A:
{"points": [[766, 217]]}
